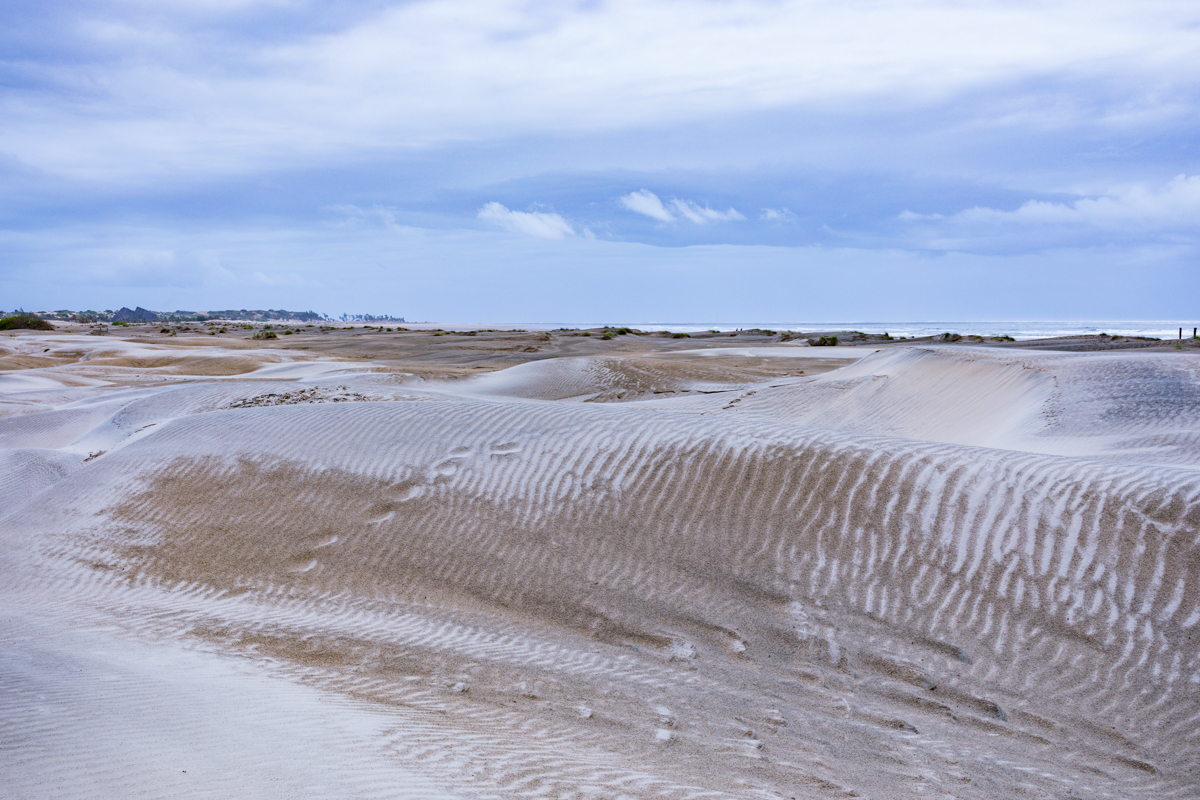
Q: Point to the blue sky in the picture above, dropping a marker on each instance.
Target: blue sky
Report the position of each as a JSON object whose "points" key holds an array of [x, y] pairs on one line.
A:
{"points": [[604, 161]]}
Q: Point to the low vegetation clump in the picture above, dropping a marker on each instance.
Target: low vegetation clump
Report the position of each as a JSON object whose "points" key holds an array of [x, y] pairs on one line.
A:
{"points": [[824, 341], [265, 335], [25, 322], [681, 336]]}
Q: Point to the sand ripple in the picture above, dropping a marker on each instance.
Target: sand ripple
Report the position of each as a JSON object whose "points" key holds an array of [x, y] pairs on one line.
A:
{"points": [[932, 573]]}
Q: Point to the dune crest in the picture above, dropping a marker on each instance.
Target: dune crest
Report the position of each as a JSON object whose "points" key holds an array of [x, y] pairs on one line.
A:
{"points": [[941, 571]]}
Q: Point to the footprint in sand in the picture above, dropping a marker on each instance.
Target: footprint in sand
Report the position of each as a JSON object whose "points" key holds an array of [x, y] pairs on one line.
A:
{"points": [[380, 512], [306, 560], [302, 563], [505, 449], [445, 469], [397, 494], [406, 490]]}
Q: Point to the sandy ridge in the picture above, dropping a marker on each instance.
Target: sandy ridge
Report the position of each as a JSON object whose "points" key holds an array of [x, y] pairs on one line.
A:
{"points": [[829, 587]]}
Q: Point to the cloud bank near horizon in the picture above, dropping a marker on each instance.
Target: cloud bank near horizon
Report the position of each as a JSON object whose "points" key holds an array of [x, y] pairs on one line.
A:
{"points": [[931, 129]]}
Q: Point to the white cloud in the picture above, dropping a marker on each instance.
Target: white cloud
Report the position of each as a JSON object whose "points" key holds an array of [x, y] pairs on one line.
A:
{"points": [[352, 214], [912, 216], [541, 224], [1174, 206], [702, 214], [646, 202], [1135, 215], [169, 95], [777, 215]]}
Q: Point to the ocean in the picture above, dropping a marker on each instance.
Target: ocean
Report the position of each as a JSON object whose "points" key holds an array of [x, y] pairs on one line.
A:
{"points": [[1018, 329]]}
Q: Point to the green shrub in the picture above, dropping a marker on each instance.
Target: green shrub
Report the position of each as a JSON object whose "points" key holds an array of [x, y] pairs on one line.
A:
{"points": [[265, 335], [681, 336], [26, 322], [122, 323]]}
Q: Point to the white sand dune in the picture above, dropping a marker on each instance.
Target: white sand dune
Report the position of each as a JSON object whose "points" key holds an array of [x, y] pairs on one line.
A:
{"points": [[941, 572]]}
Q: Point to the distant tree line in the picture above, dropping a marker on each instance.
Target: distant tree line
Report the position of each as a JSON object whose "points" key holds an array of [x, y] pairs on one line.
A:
{"points": [[240, 314], [370, 318]]}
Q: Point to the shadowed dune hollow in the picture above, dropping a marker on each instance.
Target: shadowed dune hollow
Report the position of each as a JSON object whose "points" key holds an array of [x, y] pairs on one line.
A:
{"points": [[920, 572]]}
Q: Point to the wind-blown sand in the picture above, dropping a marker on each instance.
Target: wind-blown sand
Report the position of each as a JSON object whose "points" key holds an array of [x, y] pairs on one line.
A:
{"points": [[531, 565]]}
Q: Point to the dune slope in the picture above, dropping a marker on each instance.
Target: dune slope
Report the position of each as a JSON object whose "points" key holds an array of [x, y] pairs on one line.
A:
{"points": [[888, 581]]}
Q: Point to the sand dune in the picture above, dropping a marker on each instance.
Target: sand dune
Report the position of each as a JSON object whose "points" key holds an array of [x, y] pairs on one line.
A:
{"points": [[917, 572]]}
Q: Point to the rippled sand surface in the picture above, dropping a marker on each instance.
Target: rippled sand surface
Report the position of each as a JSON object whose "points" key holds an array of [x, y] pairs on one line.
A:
{"points": [[342, 569]]}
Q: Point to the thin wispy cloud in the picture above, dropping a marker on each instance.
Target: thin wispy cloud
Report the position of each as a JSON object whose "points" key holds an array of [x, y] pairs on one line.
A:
{"points": [[777, 215], [540, 224], [694, 212], [352, 214], [647, 203]]}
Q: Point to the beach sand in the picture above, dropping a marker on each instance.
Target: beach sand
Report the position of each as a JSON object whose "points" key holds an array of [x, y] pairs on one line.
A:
{"points": [[363, 563]]}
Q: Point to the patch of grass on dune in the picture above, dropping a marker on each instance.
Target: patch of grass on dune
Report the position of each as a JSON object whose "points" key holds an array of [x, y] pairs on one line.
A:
{"points": [[25, 322]]}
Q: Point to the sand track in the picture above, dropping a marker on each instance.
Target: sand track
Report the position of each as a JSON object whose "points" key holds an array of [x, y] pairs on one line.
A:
{"points": [[932, 572]]}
